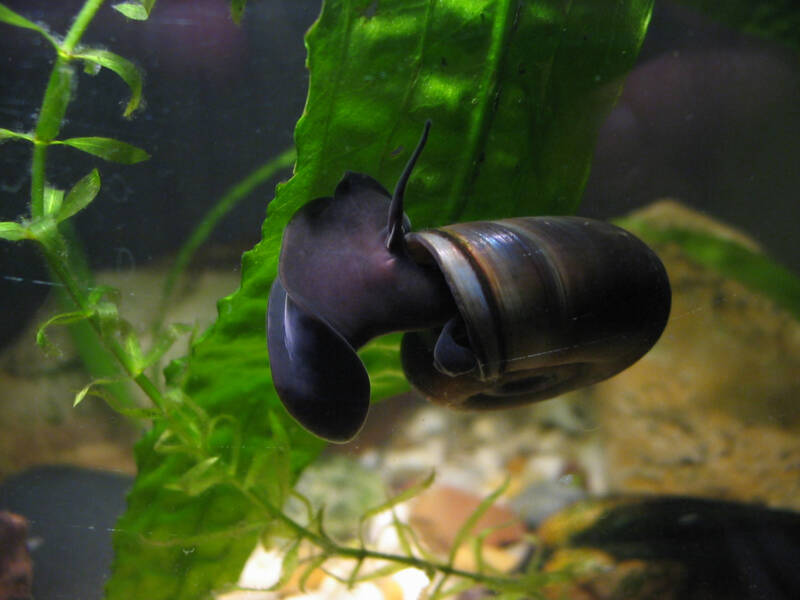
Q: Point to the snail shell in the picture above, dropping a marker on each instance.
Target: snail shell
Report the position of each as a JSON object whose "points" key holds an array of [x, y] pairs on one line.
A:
{"points": [[498, 313], [545, 305]]}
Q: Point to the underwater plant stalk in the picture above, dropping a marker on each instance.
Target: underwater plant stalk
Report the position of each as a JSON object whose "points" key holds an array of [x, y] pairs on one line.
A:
{"points": [[54, 255], [226, 203], [55, 101], [330, 548]]}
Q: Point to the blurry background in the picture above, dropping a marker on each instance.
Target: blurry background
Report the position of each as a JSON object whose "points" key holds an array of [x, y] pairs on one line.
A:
{"points": [[709, 116]]}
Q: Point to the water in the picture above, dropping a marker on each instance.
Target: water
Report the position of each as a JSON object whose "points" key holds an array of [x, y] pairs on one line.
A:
{"points": [[707, 119]]}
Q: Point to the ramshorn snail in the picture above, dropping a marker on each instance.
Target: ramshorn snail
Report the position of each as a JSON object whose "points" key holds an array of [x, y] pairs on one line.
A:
{"points": [[498, 313]]}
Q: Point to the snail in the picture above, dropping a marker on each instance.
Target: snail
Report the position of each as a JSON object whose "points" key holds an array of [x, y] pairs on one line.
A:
{"points": [[497, 313]]}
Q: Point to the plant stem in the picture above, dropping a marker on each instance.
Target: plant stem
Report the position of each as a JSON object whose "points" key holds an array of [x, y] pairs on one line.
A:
{"points": [[54, 103], [80, 24], [54, 255], [330, 547], [228, 201]]}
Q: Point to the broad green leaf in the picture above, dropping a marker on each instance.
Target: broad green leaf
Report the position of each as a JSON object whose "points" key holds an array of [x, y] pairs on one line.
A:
{"points": [[80, 196], [122, 67], [53, 199], [13, 232], [7, 134], [108, 149], [756, 271], [516, 92], [9, 16], [777, 20], [138, 10]]}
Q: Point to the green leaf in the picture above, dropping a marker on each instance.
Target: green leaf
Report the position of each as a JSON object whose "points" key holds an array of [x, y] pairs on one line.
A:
{"points": [[98, 388], [468, 525], [129, 73], [13, 232], [728, 257], [61, 319], [777, 20], [108, 149], [237, 10], [7, 134], [138, 10], [52, 200], [516, 92], [9, 16], [80, 196], [199, 478]]}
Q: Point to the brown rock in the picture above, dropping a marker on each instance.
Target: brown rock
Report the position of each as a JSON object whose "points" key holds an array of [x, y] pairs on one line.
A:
{"points": [[713, 409], [16, 568]]}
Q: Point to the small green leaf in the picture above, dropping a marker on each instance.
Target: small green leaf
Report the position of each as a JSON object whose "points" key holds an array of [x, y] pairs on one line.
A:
{"points": [[199, 478], [79, 197], [98, 388], [108, 149], [237, 10], [61, 319], [164, 342], [7, 134], [11, 231], [469, 524], [129, 73], [52, 200], [9, 16], [138, 10]]}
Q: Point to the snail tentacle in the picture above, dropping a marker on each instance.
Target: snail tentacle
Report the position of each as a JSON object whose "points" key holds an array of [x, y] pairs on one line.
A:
{"points": [[395, 240]]}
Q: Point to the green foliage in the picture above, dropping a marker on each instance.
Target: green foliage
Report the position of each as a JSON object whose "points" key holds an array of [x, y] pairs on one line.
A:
{"points": [[138, 10], [516, 90], [733, 260], [127, 71], [777, 20]]}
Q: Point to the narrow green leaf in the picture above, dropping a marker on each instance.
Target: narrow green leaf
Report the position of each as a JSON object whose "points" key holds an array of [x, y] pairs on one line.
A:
{"points": [[229, 200], [103, 389], [237, 10], [756, 271], [199, 478], [61, 319], [777, 20], [7, 134], [289, 564], [407, 494], [138, 10], [80, 196], [9, 16], [163, 342], [108, 149], [469, 524], [127, 71], [52, 200], [13, 232]]}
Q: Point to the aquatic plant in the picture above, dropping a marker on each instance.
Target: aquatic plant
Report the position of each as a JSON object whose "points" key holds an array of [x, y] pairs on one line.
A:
{"points": [[517, 91]]}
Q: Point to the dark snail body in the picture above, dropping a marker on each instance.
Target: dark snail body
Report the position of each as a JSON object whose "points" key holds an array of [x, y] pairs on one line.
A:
{"points": [[499, 313]]}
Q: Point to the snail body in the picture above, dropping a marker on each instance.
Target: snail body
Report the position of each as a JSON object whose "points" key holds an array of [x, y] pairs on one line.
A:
{"points": [[498, 313]]}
